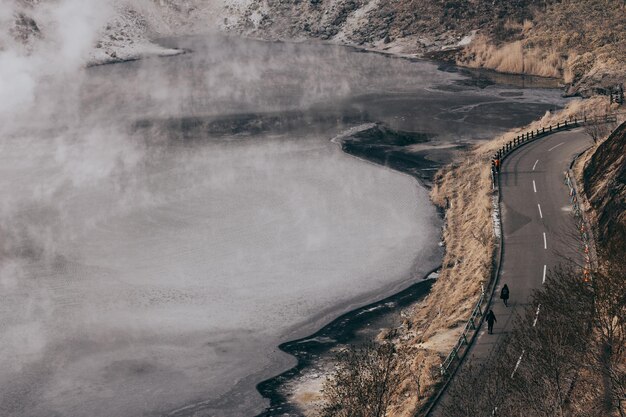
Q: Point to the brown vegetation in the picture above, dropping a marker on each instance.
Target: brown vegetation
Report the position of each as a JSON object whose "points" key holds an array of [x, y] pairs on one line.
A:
{"points": [[364, 382], [512, 58], [464, 190], [578, 41], [605, 186], [573, 354], [570, 360]]}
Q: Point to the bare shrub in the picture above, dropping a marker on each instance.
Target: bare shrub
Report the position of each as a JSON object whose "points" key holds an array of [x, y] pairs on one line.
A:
{"points": [[608, 355], [365, 380], [513, 57], [566, 360], [599, 131], [478, 390]]}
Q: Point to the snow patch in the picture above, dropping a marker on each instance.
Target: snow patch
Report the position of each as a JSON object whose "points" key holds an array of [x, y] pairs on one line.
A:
{"points": [[495, 216], [355, 21], [352, 131], [467, 39], [129, 52]]}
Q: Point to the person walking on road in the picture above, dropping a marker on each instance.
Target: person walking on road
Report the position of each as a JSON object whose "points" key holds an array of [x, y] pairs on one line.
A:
{"points": [[504, 294], [491, 318]]}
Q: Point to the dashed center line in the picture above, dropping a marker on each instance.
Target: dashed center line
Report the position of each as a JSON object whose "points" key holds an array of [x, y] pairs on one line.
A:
{"points": [[536, 316], [540, 213], [518, 362], [545, 242], [556, 146], [534, 186], [535, 164], [543, 280]]}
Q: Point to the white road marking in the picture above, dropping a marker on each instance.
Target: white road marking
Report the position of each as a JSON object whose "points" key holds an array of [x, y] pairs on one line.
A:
{"points": [[545, 242], [518, 362], [540, 213], [543, 281], [534, 186], [556, 146], [536, 316], [535, 164]]}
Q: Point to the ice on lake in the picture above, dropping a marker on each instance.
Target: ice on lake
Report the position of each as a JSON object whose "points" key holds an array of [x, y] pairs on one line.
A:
{"points": [[165, 224]]}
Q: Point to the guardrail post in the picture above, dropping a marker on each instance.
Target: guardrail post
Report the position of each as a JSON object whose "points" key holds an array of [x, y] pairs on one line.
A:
{"points": [[550, 128], [565, 123], [543, 130], [558, 125], [532, 134]]}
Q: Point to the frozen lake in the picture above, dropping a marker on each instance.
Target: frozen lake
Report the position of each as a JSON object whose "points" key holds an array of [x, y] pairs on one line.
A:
{"points": [[166, 223]]}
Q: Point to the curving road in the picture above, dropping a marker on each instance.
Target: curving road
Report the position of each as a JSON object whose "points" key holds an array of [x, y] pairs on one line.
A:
{"points": [[538, 228]]}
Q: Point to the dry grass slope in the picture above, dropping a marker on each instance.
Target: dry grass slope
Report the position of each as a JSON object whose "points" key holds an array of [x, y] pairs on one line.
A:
{"points": [[465, 189], [580, 41]]}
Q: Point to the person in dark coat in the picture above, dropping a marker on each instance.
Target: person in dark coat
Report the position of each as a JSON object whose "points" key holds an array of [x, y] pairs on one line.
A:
{"points": [[491, 318], [504, 294]]}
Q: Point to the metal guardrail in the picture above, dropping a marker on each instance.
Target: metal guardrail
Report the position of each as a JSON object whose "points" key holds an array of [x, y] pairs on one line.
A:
{"points": [[463, 340], [532, 135], [545, 131], [477, 312]]}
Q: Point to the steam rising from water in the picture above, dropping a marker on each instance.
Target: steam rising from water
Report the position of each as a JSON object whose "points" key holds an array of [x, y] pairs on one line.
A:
{"points": [[165, 224], [148, 264], [171, 287], [67, 30]]}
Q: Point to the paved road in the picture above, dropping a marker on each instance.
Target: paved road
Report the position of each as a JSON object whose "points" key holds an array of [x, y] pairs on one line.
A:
{"points": [[537, 223], [538, 228]]}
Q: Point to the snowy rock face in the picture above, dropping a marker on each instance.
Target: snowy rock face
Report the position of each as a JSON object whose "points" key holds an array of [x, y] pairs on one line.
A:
{"points": [[124, 29]]}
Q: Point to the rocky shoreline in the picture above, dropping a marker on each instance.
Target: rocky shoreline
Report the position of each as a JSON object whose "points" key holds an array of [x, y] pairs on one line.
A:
{"points": [[315, 352]]}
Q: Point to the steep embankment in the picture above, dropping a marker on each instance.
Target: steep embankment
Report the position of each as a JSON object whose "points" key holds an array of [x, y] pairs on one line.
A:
{"points": [[605, 185]]}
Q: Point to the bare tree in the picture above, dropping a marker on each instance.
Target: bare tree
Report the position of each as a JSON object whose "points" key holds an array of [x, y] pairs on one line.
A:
{"points": [[480, 389], [364, 382], [609, 351], [535, 371], [598, 131]]}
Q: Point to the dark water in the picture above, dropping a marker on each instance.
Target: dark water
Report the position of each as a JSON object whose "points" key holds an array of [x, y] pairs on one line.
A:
{"points": [[168, 223]]}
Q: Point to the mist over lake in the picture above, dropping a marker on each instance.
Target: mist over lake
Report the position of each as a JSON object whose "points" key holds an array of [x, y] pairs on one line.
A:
{"points": [[167, 223]]}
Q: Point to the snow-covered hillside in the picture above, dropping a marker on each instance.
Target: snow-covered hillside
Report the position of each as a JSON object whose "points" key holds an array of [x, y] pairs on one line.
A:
{"points": [[123, 29]]}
